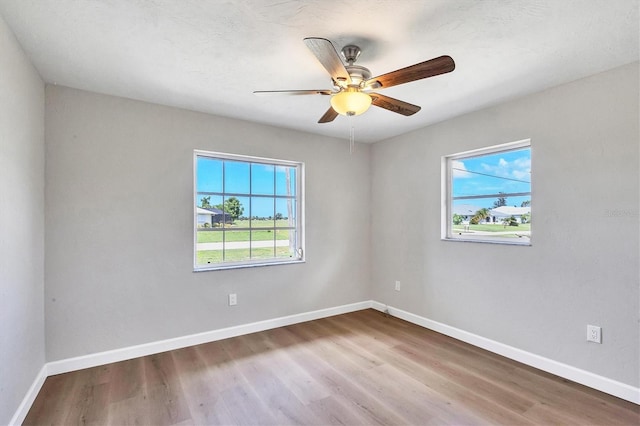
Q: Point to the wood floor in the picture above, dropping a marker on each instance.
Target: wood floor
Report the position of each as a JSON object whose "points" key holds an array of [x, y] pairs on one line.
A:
{"points": [[353, 369]]}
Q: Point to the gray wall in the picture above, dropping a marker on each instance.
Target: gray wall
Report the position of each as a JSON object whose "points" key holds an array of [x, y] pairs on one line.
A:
{"points": [[21, 224], [119, 276], [582, 267]]}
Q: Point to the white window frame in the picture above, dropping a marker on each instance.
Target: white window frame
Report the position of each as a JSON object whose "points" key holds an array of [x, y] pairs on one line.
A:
{"points": [[447, 233], [299, 208]]}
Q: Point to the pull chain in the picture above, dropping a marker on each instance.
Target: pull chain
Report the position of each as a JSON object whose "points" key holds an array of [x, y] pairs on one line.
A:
{"points": [[352, 137]]}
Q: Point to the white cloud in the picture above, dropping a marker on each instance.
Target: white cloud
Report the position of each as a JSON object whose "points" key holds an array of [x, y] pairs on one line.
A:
{"points": [[519, 168], [459, 169]]}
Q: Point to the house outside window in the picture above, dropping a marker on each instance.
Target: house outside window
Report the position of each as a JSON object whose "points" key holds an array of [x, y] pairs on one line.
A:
{"points": [[248, 211], [486, 195]]}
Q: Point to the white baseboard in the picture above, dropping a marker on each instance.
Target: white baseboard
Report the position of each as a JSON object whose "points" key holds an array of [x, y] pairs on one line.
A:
{"points": [[122, 354], [603, 384], [116, 355], [612, 387], [28, 399]]}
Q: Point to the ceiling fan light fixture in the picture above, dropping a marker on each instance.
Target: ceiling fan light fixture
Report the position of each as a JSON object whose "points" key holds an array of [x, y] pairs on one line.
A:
{"points": [[352, 84], [351, 102]]}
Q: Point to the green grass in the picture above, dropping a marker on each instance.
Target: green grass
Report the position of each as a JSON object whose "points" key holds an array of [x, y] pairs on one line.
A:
{"points": [[231, 234], [215, 256], [261, 223]]}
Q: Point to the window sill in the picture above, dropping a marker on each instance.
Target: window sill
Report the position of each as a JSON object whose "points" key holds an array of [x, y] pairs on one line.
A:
{"points": [[219, 267], [526, 242]]}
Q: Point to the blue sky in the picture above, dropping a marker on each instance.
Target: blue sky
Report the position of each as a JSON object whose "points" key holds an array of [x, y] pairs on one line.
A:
{"points": [[507, 172], [262, 181]]}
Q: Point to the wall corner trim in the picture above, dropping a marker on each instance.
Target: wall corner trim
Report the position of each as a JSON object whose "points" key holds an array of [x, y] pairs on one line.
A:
{"points": [[587, 378], [30, 396]]}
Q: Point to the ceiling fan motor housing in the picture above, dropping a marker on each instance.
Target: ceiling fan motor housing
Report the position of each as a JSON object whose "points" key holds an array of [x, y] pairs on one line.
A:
{"points": [[358, 74], [351, 53]]}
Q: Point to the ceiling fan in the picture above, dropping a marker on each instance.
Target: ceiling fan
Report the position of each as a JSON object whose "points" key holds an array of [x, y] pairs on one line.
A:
{"points": [[353, 86]]}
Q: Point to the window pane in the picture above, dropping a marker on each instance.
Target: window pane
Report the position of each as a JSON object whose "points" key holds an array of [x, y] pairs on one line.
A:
{"points": [[286, 243], [262, 209], [262, 179], [208, 246], [285, 181], [235, 208], [285, 212], [209, 257], [208, 215], [504, 172], [471, 221], [262, 244], [209, 176], [236, 246], [236, 177], [262, 238]]}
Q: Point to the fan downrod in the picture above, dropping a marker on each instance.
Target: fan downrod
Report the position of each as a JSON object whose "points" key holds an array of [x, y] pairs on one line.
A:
{"points": [[350, 53]]}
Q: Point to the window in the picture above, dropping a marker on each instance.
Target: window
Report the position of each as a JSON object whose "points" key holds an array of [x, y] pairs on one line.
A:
{"points": [[487, 195], [247, 211]]}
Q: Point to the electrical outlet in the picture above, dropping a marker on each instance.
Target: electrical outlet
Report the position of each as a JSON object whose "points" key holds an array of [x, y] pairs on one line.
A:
{"points": [[233, 299], [397, 286], [594, 334]]}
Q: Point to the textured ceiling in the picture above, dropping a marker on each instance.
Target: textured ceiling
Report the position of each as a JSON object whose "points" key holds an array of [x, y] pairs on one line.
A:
{"points": [[210, 56]]}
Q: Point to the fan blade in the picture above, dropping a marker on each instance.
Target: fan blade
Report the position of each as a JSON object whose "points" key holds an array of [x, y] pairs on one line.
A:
{"points": [[328, 116], [394, 105], [430, 68], [292, 92], [329, 58]]}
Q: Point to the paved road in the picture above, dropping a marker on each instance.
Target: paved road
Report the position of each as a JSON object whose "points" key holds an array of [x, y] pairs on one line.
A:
{"points": [[241, 245]]}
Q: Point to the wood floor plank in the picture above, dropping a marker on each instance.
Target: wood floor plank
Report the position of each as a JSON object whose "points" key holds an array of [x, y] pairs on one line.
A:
{"points": [[127, 379], [295, 378], [285, 407], [202, 392], [90, 408], [389, 376], [163, 391], [329, 371], [130, 411], [460, 361], [220, 365], [361, 368], [335, 412], [54, 400]]}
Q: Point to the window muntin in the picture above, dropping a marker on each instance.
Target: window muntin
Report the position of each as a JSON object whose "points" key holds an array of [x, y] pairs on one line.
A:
{"points": [[487, 195], [247, 211]]}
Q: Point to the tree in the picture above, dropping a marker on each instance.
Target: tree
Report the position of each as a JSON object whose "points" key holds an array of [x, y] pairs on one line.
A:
{"points": [[526, 203], [502, 201], [510, 221], [279, 216], [205, 202], [233, 207], [480, 215], [457, 219]]}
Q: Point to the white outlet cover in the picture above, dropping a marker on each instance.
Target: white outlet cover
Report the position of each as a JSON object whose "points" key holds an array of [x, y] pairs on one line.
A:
{"points": [[594, 334]]}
